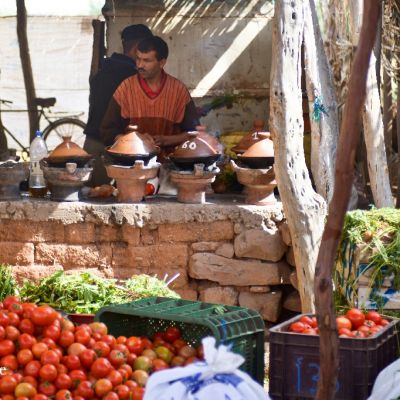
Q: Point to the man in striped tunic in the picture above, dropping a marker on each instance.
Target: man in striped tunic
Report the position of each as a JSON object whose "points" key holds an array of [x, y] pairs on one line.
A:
{"points": [[155, 101]]}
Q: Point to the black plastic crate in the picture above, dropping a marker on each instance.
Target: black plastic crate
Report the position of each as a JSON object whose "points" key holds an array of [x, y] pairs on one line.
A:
{"points": [[294, 362], [239, 327]]}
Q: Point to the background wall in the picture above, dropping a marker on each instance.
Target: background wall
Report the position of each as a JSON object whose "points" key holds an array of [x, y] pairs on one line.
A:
{"points": [[216, 47]]}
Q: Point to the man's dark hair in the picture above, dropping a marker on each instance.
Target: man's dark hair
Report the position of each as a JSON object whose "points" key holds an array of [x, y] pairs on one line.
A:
{"points": [[154, 43], [132, 34]]}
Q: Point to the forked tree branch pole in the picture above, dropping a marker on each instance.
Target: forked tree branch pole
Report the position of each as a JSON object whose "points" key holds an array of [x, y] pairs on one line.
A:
{"points": [[348, 141]]}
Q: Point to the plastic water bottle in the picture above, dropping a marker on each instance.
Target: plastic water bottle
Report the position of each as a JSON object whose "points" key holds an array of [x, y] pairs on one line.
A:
{"points": [[38, 151]]}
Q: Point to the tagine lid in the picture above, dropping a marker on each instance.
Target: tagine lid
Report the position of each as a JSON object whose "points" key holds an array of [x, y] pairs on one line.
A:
{"points": [[194, 148], [252, 137], [263, 148], [131, 142], [68, 149]]}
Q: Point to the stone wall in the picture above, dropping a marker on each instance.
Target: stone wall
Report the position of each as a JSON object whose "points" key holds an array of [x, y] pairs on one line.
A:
{"points": [[224, 252]]}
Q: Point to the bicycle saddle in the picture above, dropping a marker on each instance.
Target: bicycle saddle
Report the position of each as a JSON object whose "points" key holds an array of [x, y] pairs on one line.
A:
{"points": [[48, 102]]}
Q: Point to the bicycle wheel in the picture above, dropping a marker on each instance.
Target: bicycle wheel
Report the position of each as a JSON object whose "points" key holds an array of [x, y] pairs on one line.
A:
{"points": [[54, 133]]}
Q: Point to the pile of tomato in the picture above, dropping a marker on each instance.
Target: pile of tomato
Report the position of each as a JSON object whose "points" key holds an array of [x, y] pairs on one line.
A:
{"points": [[43, 356], [354, 324]]}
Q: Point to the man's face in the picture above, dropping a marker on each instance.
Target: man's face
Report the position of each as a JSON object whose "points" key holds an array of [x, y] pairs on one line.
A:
{"points": [[147, 64]]}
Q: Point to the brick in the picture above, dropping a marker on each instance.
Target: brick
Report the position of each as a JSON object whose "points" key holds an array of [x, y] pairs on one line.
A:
{"points": [[130, 234], [161, 257], [148, 236], [30, 231], [187, 293], [196, 232], [73, 256], [80, 233], [16, 253], [34, 272], [107, 233]]}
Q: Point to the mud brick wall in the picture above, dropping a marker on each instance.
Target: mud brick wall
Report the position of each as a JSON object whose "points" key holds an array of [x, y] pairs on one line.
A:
{"points": [[224, 252]]}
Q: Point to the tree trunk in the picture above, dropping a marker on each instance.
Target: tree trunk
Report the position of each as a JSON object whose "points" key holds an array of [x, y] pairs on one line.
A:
{"points": [[324, 133], [373, 126], [4, 153], [348, 142], [305, 210], [398, 148], [387, 113], [98, 50], [27, 68]]}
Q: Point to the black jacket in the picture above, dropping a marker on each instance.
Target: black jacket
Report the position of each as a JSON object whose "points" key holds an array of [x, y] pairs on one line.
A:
{"points": [[103, 85]]}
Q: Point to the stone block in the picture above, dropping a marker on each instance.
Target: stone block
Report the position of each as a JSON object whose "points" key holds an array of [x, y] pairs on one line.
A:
{"points": [[267, 304], [285, 233], [292, 302], [285, 270], [127, 272], [73, 256], [293, 280], [260, 244], [196, 232], [80, 233], [31, 231], [204, 246], [227, 271], [290, 257], [180, 281], [16, 253], [34, 273], [107, 233], [225, 250], [220, 295], [259, 289], [130, 234]]}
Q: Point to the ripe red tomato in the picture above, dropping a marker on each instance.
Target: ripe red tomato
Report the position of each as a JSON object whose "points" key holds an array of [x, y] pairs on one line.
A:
{"points": [[38, 349], [71, 362], [101, 368], [24, 389], [99, 327], [31, 380], [297, 327], [4, 320], [384, 322], [172, 333], [48, 372], [85, 390], [135, 345], [47, 388], [16, 307], [50, 357], [82, 336], [66, 339], [102, 387], [101, 349], [77, 376], [117, 358], [12, 333], [87, 357], [64, 394], [13, 318], [52, 331], [122, 391], [7, 384], [6, 347], [345, 331], [111, 396], [26, 341], [43, 315], [357, 334], [115, 377], [356, 317], [9, 300], [9, 362], [159, 364], [26, 326], [28, 308], [343, 322], [137, 393], [373, 316], [32, 368], [63, 381]]}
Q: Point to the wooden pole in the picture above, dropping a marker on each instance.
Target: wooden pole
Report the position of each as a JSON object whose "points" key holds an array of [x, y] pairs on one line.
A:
{"points": [[98, 49], [348, 141], [27, 68]]}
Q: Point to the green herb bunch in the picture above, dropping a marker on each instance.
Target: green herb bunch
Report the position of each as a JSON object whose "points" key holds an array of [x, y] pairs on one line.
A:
{"points": [[8, 284]]}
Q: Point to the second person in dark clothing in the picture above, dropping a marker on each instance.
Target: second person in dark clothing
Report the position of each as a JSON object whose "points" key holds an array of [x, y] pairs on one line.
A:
{"points": [[102, 86]]}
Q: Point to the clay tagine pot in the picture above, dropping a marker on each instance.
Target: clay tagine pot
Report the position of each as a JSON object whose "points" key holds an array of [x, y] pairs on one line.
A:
{"points": [[132, 146], [197, 150], [67, 152], [260, 155], [251, 138]]}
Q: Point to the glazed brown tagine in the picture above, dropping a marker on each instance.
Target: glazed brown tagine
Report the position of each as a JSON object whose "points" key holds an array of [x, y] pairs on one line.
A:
{"points": [[251, 138], [66, 170], [195, 162], [12, 173], [258, 155], [132, 146], [131, 161]]}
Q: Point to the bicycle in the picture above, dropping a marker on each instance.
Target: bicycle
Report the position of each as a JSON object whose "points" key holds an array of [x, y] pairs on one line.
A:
{"points": [[57, 128]]}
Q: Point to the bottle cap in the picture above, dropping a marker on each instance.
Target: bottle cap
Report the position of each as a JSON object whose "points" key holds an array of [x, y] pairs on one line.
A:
{"points": [[38, 133]]}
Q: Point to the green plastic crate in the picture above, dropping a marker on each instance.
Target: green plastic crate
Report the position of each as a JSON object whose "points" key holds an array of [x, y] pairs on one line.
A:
{"points": [[241, 328]]}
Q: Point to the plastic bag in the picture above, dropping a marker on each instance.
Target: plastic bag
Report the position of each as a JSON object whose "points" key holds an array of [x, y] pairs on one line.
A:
{"points": [[387, 384], [218, 377]]}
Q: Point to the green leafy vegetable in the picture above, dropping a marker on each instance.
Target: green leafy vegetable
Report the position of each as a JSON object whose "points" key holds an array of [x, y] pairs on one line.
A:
{"points": [[141, 286], [8, 284]]}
